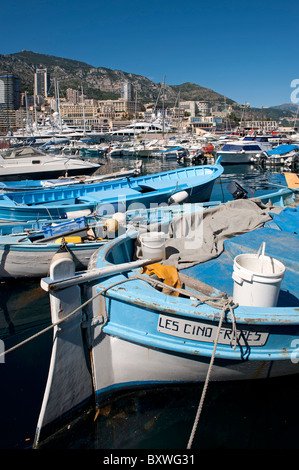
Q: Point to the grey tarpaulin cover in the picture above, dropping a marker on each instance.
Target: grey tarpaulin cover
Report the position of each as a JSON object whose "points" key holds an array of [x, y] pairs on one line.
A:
{"points": [[198, 237]]}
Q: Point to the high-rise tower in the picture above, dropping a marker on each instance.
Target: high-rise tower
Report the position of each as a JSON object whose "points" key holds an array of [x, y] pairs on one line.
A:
{"points": [[10, 91], [41, 82]]}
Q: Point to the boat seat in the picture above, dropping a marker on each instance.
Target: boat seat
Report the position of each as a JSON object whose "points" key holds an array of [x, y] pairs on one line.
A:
{"points": [[99, 196], [165, 185], [6, 201]]}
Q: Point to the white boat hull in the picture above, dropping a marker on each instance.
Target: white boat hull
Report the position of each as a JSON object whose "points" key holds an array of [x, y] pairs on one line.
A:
{"points": [[132, 366], [236, 158], [31, 261]]}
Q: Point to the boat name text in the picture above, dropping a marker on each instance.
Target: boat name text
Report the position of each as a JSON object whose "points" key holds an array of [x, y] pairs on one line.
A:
{"points": [[203, 332]]}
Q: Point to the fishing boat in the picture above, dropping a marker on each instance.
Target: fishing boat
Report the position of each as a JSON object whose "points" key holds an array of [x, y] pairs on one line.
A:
{"points": [[30, 162], [192, 184], [26, 249], [28, 254], [174, 318]]}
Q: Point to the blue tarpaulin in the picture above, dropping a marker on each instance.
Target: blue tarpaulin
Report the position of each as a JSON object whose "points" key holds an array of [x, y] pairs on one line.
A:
{"points": [[288, 219], [282, 149]]}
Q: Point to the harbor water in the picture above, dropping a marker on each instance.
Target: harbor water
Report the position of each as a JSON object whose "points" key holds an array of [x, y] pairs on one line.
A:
{"points": [[259, 414]]}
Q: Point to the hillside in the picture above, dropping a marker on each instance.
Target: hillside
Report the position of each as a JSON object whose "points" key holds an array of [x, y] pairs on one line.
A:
{"points": [[98, 82], [193, 92], [104, 83]]}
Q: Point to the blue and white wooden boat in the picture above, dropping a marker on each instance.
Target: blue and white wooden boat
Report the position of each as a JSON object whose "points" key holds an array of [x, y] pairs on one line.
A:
{"points": [[192, 184], [139, 336], [28, 254], [26, 249]]}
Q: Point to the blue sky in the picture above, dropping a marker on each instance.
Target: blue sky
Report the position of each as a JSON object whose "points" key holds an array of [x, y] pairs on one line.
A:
{"points": [[245, 50]]}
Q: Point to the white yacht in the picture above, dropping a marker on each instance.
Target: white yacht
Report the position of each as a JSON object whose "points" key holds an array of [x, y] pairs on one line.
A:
{"points": [[137, 127], [29, 162], [244, 150]]}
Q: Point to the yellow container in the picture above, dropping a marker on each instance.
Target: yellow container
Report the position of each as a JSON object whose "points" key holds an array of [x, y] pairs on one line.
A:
{"points": [[69, 240]]}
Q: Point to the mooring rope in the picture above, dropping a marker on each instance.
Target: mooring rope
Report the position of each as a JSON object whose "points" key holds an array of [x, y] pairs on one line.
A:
{"points": [[204, 391]]}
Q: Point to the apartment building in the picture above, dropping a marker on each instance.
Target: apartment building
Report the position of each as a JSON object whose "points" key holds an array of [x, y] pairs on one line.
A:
{"points": [[42, 82], [11, 120], [127, 91], [72, 96], [266, 126], [10, 91]]}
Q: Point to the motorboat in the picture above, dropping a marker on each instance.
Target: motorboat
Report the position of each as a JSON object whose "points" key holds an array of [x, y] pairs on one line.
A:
{"points": [[30, 162], [283, 155], [244, 150]]}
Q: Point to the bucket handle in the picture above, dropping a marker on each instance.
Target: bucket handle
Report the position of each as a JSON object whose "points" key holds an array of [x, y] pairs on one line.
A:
{"points": [[147, 246], [262, 255], [237, 279], [261, 250]]}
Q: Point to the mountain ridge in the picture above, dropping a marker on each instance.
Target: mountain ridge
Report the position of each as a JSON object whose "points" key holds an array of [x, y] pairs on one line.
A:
{"points": [[103, 83], [99, 82]]}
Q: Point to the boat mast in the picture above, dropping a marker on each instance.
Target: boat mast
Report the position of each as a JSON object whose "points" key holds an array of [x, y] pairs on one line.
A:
{"points": [[83, 105], [27, 114], [135, 114], [57, 101], [35, 114], [163, 107]]}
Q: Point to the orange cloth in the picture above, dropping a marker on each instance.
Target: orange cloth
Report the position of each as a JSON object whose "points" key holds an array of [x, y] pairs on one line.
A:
{"points": [[168, 274]]}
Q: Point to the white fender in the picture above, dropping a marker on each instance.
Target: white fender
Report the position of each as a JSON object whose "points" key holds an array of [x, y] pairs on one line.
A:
{"points": [[178, 198]]}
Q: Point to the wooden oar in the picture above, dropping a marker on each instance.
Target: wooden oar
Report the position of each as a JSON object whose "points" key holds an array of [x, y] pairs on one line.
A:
{"points": [[52, 285]]}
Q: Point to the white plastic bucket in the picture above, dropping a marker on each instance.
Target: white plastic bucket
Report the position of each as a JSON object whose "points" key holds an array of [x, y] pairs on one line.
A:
{"points": [[257, 279], [153, 244]]}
